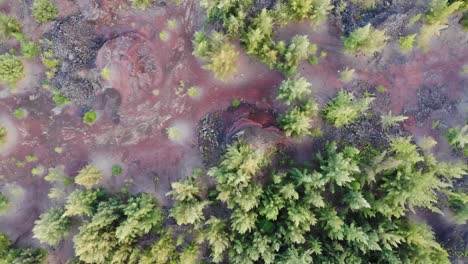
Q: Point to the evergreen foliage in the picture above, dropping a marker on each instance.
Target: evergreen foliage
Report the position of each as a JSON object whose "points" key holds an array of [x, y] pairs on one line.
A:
{"points": [[297, 122], [82, 202], [256, 30], [294, 89], [11, 69], [8, 26], [220, 55], [389, 120], [12, 255], [365, 40], [344, 210], [89, 176], [52, 226], [44, 10], [458, 136], [345, 108], [458, 202], [406, 43], [189, 207]]}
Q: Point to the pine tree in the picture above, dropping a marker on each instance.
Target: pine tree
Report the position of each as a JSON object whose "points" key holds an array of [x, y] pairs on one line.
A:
{"points": [[365, 40], [52, 227], [295, 89], [89, 176]]}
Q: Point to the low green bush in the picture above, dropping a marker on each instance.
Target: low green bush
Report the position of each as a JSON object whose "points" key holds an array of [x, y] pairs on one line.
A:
{"points": [[365, 40]]}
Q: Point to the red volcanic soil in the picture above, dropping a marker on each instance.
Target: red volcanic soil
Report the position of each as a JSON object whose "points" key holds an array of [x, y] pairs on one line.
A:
{"points": [[133, 118]]}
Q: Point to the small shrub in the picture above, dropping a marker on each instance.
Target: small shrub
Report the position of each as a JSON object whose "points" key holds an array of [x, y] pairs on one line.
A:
{"points": [[294, 89], [116, 170], [344, 109], [174, 134], [406, 43], [365, 40], [44, 10], [106, 73], [440, 10], [193, 92], [164, 35], [8, 25], [52, 227], [3, 135], [142, 4], [89, 117], [20, 113], [381, 89], [347, 75], [235, 103], [58, 98], [89, 176], [11, 69]]}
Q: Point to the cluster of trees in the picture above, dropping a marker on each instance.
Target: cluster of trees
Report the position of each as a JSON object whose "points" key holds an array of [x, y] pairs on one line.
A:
{"points": [[345, 209], [220, 55], [10, 254], [256, 31], [297, 121]]}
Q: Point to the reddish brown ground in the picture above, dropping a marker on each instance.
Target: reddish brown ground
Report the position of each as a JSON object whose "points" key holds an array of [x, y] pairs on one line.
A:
{"points": [[141, 62]]}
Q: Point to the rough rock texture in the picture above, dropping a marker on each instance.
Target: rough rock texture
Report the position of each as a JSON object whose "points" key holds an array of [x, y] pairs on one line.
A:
{"points": [[431, 100], [245, 123], [78, 90]]}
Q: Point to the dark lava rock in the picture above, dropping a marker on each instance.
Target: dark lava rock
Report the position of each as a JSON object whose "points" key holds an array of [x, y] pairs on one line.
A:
{"points": [[353, 16], [78, 90], [259, 5], [245, 123], [74, 43], [430, 100]]}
